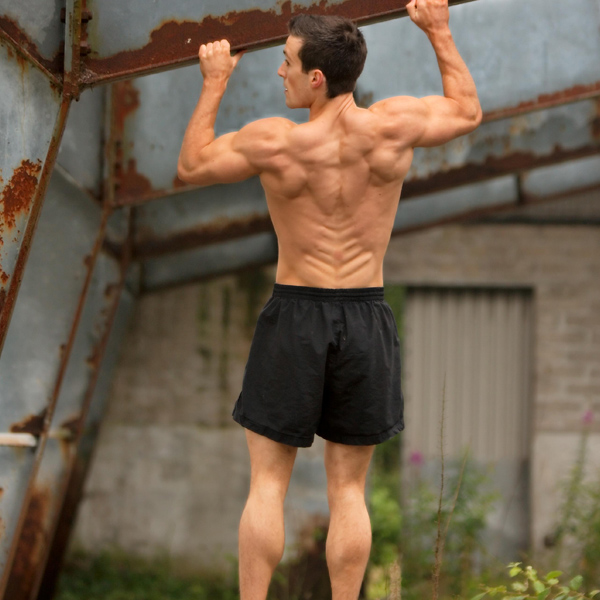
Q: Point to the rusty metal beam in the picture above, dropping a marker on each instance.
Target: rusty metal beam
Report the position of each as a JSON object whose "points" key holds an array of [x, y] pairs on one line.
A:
{"points": [[175, 43], [223, 229], [29, 546]]}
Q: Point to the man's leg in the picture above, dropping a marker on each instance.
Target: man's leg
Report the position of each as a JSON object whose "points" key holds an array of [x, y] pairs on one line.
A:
{"points": [[349, 537], [262, 538]]}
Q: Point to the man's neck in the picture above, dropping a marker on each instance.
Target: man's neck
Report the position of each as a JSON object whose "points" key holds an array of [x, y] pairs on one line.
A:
{"points": [[335, 106]]}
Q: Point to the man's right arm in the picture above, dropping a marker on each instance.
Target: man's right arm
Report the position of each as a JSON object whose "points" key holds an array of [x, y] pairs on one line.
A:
{"points": [[435, 120]]}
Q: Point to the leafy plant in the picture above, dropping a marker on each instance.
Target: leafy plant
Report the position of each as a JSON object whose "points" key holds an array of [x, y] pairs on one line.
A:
{"points": [[529, 585]]}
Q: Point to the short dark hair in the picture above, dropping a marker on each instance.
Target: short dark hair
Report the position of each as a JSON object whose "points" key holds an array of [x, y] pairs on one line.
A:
{"points": [[335, 46]]}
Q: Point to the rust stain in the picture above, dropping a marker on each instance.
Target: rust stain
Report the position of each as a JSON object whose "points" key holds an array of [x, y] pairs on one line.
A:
{"points": [[4, 277], [127, 100], [130, 182], [493, 166], [72, 425], [177, 183], [33, 424], [210, 233], [30, 547], [177, 42], [572, 94], [18, 193], [11, 30]]}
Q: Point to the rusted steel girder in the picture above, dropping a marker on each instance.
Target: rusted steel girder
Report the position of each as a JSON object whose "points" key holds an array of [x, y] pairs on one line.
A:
{"points": [[224, 229], [175, 43], [23, 196]]}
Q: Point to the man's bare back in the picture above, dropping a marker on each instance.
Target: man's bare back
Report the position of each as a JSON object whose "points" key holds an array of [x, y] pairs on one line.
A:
{"points": [[332, 184]]}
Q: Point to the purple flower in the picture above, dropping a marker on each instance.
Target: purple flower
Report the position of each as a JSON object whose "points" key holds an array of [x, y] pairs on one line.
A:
{"points": [[588, 416], [416, 458]]}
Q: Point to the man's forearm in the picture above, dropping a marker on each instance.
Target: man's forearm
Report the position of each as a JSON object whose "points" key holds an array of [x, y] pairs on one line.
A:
{"points": [[201, 129], [457, 81]]}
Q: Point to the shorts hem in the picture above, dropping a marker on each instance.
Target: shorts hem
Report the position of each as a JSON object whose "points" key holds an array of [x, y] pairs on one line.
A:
{"points": [[272, 434], [360, 439]]}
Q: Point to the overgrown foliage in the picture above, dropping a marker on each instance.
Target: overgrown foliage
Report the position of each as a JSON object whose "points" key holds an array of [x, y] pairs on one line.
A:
{"points": [[577, 536], [529, 585], [117, 576]]}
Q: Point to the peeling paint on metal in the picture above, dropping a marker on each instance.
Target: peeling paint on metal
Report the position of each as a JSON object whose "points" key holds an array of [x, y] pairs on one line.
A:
{"points": [[574, 94], [126, 101], [18, 193], [30, 546], [130, 183], [177, 42], [26, 48], [33, 424]]}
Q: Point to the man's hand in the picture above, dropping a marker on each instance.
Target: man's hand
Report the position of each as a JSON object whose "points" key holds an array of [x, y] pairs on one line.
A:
{"points": [[429, 15], [216, 62]]}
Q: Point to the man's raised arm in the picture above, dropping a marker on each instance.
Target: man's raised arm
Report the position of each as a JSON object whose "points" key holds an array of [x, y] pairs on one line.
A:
{"points": [[204, 160], [435, 120]]}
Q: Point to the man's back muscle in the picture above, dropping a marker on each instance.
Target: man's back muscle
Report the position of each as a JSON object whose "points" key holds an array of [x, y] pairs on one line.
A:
{"points": [[332, 186]]}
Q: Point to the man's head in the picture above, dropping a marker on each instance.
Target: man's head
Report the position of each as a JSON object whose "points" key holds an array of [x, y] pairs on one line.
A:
{"points": [[332, 46]]}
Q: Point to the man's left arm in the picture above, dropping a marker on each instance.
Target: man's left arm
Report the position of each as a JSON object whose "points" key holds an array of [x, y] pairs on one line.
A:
{"points": [[204, 160]]}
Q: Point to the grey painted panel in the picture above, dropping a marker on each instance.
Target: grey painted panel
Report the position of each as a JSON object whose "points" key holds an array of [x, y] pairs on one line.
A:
{"points": [[58, 457], [81, 149], [516, 51], [39, 20], [40, 326], [563, 178], [537, 135], [154, 146], [212, 260], [512, 63], [213, 204], [29, 108], [433, 207]]}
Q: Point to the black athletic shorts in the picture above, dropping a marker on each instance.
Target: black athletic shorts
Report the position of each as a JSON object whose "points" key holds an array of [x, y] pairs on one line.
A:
{"points": [[323, 361]]}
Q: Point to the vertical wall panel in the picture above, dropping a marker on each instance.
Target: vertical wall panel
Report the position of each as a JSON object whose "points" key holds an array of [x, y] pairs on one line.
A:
{"points": [[473, 347]]}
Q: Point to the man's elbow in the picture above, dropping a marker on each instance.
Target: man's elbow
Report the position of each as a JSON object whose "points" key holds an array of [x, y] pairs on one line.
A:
{"points": [[475, 116], [183, 174], [189, 175]]}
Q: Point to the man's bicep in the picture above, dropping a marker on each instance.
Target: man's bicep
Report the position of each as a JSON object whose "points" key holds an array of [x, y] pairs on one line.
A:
{"points": [[219, 162]]}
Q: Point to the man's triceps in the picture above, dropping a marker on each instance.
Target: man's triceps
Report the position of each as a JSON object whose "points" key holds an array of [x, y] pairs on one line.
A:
{"points": [[221, 162]]}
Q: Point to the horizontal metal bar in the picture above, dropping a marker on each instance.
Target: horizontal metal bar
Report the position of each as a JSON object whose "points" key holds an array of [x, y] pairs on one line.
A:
{"points": [[21, 440], [175, 42]]}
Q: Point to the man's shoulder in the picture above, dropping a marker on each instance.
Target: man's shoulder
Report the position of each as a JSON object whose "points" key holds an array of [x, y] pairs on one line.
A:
{"points": [[268, 128], [396, 106]]}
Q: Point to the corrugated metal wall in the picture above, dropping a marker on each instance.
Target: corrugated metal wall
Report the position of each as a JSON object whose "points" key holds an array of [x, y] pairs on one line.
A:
{"points": [[473, 347], [476, 343]]}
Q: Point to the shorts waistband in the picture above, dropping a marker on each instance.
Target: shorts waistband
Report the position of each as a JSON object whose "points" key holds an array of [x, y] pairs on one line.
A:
{"points": [[328, 294]]}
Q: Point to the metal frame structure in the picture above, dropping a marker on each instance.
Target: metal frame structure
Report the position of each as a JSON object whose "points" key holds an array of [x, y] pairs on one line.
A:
{"points": [[92, 213]]}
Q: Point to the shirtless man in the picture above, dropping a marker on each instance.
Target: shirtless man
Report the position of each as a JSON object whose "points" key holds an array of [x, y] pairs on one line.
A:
{"points": [[324, 358]]}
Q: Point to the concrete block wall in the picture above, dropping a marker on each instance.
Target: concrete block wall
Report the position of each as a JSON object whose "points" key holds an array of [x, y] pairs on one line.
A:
{"points": [[171, 471], [561, 264]]}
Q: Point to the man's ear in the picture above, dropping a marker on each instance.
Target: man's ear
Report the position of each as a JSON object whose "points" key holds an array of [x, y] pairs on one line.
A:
{"points": [[317, 79]]}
